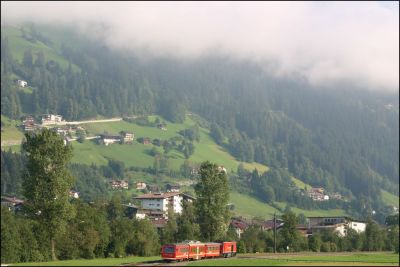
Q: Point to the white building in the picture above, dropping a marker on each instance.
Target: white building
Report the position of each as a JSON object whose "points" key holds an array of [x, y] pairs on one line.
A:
{"points": [[110, 139], [51, 119], [22, 83], [162, 201], [338, 224]]}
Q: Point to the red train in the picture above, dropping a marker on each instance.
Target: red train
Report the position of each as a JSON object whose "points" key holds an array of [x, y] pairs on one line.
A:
{"points": [[195, 250]]}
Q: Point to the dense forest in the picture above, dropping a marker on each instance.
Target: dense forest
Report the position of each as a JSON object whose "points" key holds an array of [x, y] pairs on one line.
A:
{"points": [[345, 139]]}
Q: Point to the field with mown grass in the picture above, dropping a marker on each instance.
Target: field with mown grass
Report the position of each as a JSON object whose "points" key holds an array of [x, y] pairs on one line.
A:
{"points": [[93, 262], [310, 213], [307, 259], [20, 45], [138, 154], [390, 199]]}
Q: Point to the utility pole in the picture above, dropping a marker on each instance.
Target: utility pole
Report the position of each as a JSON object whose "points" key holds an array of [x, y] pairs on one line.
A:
{"points": [[274, 232]]}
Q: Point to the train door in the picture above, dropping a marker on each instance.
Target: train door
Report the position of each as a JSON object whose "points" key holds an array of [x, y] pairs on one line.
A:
{"points": [[197, 252]]}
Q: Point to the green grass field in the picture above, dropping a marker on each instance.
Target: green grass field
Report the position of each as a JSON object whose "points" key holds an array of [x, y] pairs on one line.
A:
{"points": [[20, 45], [300, 184], [137, 154], [390, 199], [331, 212], [264, 259], [94, 262], [249, 207], [306, 259]]}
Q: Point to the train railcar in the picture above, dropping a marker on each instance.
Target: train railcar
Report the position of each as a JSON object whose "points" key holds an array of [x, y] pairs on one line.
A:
{"points": [[212, 250], [197, 251], [228, 249], [175, 252]]}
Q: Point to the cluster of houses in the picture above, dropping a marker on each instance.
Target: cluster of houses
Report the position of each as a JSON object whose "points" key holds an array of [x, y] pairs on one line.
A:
{"points": [[123, 138], [119, 184], [48, 119], [338, 224], [318, 194]]}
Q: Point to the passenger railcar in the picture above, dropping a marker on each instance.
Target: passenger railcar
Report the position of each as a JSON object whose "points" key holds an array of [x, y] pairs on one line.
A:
{"points": [[195, 250]]}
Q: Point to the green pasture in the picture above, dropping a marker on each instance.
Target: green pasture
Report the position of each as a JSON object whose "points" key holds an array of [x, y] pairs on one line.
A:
{"points": [[20, 45], [390, 199], [310, 213], [249, 207], [306, 259], [300, 184], [93, 262], [137, 154]]}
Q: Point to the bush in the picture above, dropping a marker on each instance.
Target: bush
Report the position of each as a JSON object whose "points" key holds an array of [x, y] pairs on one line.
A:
{"points": [[325, 247]]}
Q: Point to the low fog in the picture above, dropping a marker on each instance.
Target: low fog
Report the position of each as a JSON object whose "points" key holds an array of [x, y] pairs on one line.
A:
{"points": [[326, 42]]}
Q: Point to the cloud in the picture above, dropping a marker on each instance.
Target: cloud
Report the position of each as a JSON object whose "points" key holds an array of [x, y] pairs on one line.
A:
{"points": [[327, 42]]}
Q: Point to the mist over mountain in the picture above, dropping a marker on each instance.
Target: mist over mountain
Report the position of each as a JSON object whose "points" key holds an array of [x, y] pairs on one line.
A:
{"points": [[327, 43]]}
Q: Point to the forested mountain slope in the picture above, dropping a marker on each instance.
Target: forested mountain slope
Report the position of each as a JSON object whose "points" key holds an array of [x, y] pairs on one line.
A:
{"points": [[344, 139]]}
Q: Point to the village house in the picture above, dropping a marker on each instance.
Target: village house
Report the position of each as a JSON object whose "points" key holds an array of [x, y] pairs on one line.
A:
{"points": [[162, 126], [12, 203], [51, 119], [140, 186], [317, 194], [119, 184], [22, 83], [146, 141], [222, 169], [239, 224], [337, 224], [109, 139], [127, 137], [172, 188], [153, 188], [28, 124], [73, 194], [163, 201]]}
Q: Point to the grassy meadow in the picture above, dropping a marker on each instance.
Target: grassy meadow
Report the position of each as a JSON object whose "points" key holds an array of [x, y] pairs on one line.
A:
{"points": [[307, 259]]}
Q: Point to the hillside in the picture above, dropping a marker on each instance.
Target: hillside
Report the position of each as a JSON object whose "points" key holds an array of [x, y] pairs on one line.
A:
{"points": [[343, 140]]}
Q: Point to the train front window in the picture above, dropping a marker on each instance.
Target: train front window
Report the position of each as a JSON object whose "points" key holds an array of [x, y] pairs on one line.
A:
{"points": [[169, 250]]}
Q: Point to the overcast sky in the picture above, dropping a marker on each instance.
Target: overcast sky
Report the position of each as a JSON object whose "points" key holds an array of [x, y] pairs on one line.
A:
{"points": [[327, 42]]}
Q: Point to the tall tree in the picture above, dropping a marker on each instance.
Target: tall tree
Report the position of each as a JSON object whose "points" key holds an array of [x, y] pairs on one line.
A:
{"points": [[212, 193], [48, 181]]}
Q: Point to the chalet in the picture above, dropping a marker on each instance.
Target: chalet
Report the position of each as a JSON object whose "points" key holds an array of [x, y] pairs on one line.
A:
{"points": [[222, 169], [51, 119], [22, 83], [162, 201], [119, 184], [339, 224], [269, 224], [109, 139], [73, 194], [162, 126], [172, 188], [317, 194], [61, 131], [146, 141], [127, 137], [239, 224], [12, 203], [153, 188], [140, 186], [28, 124]]}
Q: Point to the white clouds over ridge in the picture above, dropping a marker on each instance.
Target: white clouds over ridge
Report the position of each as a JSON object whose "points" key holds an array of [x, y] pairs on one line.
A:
{"points": [[324, 41]]}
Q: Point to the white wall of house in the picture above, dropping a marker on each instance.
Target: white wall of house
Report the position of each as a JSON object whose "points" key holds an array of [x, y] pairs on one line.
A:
{"points": [[177, 204], [358, 226], [162, 204], [22, 83], [154, 204]]}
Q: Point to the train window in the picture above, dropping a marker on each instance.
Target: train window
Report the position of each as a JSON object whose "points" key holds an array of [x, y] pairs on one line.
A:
{"points": [[169, 250], [193, 250], [183, 250]]}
